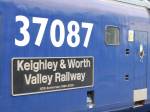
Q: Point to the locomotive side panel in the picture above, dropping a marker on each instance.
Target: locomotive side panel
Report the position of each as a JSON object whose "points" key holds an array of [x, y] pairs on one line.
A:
{"points": [[33, 32]]}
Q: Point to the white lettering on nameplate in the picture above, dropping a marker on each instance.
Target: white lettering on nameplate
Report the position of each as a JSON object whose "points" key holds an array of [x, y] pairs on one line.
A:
{"points": [[51, 74]]}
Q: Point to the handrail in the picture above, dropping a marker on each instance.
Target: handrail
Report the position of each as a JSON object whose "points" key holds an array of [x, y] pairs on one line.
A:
{"points": [[143, 3]]}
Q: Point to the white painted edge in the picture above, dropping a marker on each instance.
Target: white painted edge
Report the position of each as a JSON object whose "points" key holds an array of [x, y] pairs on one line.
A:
{"points": [[140, 94]]}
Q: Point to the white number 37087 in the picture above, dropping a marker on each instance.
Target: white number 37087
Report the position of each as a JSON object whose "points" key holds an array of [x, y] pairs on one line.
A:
{"points": [[73, 29]]}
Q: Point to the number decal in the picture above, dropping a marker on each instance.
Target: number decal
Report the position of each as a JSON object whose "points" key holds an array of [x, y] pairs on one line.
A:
{"points": [[60, 24], [43, 23], [23, 31], [73, 37], [89, 27], [73, 34]]}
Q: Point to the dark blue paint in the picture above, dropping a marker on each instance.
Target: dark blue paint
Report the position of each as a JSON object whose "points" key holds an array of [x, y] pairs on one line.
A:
{"points": [[112, 91]]}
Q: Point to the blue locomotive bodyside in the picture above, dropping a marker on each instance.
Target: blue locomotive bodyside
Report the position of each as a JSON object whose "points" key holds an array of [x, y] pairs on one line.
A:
{"points": [[32, 31]]}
